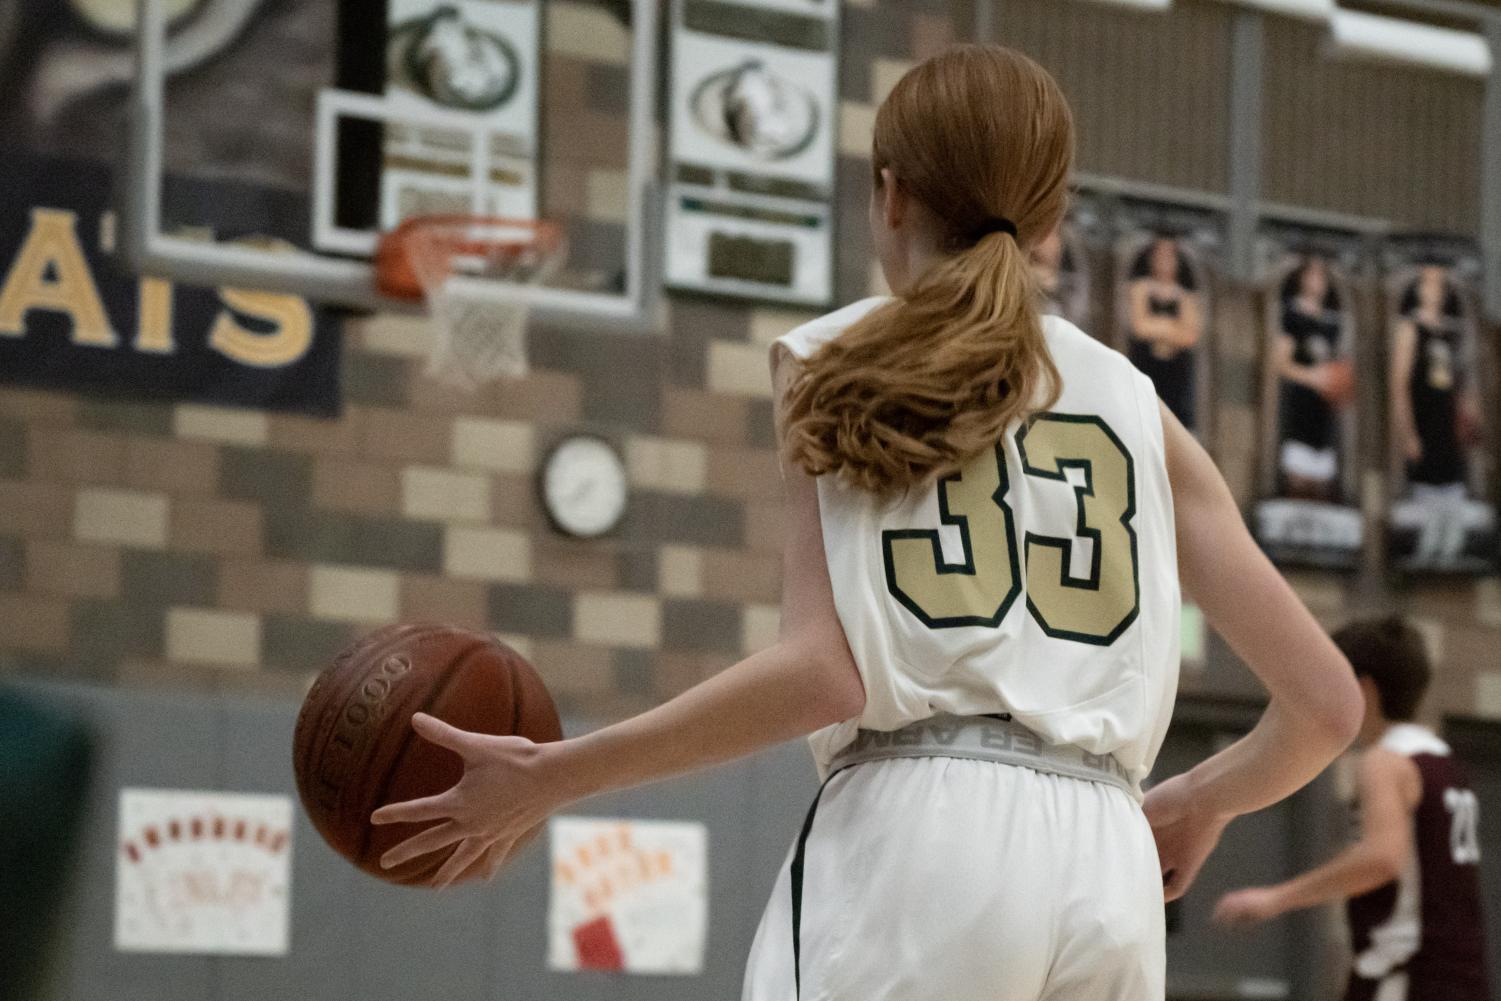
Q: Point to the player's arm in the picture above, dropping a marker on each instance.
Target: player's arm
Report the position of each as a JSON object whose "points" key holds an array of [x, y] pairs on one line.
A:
{"points": [[1189, 329], [1315, 706], [805, 681], [1284, 359], [1404, 350], [1389, 789], [1145, 325]]}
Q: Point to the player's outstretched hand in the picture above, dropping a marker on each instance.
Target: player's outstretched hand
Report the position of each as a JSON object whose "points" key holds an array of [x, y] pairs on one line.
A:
{"points": [[501, 801], [1185, 833], [1250, 906]]}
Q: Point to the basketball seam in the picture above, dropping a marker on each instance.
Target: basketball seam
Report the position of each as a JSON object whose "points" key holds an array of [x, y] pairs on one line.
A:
{"points": [[437, 692], [319, 730]]}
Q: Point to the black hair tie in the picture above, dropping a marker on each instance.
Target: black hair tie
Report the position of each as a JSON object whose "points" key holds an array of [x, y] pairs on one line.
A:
{"points": [[995, 224]]}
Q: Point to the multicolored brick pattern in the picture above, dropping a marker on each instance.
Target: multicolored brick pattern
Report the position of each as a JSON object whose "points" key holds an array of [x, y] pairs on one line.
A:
{"points": [[150, 544]]}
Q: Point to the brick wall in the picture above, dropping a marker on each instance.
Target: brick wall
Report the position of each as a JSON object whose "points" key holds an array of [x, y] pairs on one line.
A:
{"points": [[154, 544]]}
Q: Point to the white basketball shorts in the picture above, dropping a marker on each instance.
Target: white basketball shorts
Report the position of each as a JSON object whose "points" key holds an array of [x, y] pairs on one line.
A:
{"points": [[944, 879]]}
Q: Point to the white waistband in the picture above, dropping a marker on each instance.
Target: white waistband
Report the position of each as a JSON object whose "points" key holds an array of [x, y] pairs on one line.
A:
{"points": [[998, 739]]}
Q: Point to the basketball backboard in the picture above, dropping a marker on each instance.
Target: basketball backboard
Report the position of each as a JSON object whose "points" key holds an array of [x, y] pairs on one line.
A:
{"points": [[355, 115]]}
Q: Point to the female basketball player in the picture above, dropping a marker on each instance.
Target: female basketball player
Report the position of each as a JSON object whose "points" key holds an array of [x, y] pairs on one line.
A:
{"points": [[980, 614], [1431, 405], [1166, 325], [1308, 342]]}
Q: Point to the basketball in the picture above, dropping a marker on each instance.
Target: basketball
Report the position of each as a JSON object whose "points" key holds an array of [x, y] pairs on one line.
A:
{"points": [[1468, 426], [354, 748], [1339, 389]]}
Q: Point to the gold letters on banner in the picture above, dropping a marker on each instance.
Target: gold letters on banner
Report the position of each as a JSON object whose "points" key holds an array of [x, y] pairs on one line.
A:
{"points": [[51, 273]]}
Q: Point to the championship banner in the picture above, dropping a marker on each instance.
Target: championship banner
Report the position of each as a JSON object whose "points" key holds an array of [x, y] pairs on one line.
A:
{"points": [[1164, 305], [1440, 395], [203, 872], [754, 105], [73, 317], [628, 896], [474, 61], [1309, 482]]}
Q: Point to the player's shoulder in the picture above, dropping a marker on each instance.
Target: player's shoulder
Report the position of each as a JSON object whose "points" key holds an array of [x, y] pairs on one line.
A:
{"points": [[1065, 340], [803, 340], [1411, 739], [1080, 356], [1382, 768]]}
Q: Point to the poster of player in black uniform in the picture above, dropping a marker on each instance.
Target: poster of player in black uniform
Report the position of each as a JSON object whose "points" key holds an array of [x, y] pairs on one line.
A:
{"points": [[1310, 514], [1063, 264], [1062, 281], [1442, 516], [1163, 307]]}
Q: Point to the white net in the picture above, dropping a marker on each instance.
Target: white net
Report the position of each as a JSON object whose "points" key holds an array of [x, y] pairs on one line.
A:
{"points": [[474, 273], [476, 339]]}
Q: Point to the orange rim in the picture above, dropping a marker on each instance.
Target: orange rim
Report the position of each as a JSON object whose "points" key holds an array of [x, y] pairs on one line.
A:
{"points": [[396, 277]]}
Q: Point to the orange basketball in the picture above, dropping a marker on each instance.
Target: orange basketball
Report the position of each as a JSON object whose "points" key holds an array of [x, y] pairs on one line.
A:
{"points": [[1468, 427], [354, 748], [1339, 385]]}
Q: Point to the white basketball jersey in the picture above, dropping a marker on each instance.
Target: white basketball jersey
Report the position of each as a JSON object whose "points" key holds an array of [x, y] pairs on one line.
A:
{"points": [[1041, 581]]}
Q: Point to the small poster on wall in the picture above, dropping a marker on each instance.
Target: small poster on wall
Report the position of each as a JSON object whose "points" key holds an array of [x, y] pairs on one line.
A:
{"points": [[1164, 303], [754, 104], [1310, 513], [1193, 640], [628, 896], [1439, 396], [203, 872]]}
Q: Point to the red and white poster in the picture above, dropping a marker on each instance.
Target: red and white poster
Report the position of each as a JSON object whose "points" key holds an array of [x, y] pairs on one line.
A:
{"points": [[203, 872], [628, 896]]}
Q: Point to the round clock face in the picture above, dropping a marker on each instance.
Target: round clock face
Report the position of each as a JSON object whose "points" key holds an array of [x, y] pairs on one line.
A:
{"points": [[118, 17], [584, 487]]}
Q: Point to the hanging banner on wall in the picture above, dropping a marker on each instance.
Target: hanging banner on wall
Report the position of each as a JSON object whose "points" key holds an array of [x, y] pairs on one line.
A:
{"points": [[628, 896], [73, 317], [1440, 392], [1066, 263], [1309, 479], [1164, 302], [749, 206], [203, 872], [469, 59]]}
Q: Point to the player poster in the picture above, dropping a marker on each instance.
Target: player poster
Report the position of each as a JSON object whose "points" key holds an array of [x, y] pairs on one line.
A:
{"points": [[1310, 508], [1163, 304], [628, 896], [1063, 263], [203, 872], [754, 104], [1439, 399]]}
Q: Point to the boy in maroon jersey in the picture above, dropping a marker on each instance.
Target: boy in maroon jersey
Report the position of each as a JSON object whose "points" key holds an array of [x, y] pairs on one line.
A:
{"points": [[1412, 879]]}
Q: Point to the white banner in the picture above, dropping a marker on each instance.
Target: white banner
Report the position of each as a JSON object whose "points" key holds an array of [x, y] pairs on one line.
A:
{"points": [[203, 872], [471, 58], [752, 123], [628, 896]]}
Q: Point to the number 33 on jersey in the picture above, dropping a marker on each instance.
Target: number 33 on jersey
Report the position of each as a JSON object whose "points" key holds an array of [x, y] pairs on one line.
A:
{"points": [[1093, 607]]}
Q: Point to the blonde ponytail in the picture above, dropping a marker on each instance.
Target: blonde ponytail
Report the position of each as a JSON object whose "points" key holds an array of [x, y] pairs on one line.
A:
{"points": [[982, 137]]}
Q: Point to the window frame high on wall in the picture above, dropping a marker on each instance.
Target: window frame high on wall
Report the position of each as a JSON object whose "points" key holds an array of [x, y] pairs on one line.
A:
{"points": [[1243, 205]]}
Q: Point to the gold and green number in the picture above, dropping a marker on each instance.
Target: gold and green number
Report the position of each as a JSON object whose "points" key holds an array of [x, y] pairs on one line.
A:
{"points": [[1094, 608]]}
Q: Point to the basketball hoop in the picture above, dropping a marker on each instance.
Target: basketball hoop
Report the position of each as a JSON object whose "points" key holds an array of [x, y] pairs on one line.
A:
{"points": [[462, 266]]}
